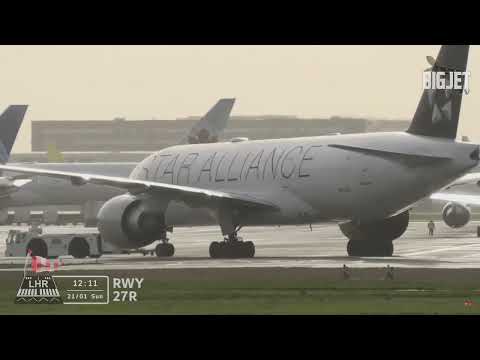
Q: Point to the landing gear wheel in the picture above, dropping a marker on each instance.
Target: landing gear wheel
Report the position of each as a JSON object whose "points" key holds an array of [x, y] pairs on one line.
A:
{"points": [[160, 250], [388, 249], [370, 248], [164, 250], [249, 248], [38, 247], [79, 248], [170, 249], [231, 249], [214, 250], [352, 248]]}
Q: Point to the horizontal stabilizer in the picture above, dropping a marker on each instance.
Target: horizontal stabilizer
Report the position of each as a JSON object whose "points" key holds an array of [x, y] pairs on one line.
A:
{"points": [[386, 154]]}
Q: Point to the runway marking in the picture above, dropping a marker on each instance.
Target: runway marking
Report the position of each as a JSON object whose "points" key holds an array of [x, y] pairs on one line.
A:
{"points": [[471, 256], [440, 250]]}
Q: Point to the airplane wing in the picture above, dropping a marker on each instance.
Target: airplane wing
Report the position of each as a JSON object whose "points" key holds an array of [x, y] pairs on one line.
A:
{"points": [[472, 178], [192, 196], [10, 185], [464, 199]]}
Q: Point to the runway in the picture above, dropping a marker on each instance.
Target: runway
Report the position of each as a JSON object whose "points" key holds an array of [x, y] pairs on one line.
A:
{"points": [[287, 247]]}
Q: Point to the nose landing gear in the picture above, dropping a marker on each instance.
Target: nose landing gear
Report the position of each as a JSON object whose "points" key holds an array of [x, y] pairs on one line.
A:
{"points": [[164, 249]]}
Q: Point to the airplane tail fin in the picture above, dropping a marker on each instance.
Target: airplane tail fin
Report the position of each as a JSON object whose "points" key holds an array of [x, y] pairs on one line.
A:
{"points": [[438, 112], [53, 154], [209, 128], [10, 121]]}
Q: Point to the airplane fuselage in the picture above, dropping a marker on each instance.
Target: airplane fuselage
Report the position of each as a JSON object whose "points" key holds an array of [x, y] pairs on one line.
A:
{"points": [[313, 179]]}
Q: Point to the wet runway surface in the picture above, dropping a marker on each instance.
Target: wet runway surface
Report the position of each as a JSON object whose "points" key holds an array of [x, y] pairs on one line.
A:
{"points": [[287, 247]]}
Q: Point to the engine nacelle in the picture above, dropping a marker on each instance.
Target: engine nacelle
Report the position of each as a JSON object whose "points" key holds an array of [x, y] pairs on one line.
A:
{"points": [[456, 215], [130, 222]]}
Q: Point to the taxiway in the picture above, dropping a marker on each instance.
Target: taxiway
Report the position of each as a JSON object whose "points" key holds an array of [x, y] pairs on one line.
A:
{"points": [[289, 247]]}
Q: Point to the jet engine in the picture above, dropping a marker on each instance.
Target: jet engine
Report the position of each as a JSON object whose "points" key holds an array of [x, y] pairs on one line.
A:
{"points": [[128, 221], [456, 215]]}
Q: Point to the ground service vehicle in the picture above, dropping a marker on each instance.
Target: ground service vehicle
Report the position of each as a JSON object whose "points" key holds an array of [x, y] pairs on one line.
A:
{"points": [[79, 245]]}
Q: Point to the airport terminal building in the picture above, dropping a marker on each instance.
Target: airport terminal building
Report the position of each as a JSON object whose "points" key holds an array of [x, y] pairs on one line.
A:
{"points": [[151, 135], [130, 140]]}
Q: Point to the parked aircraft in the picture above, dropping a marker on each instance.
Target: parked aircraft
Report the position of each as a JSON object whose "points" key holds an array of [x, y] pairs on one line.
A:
{"points": [[29, 191]]}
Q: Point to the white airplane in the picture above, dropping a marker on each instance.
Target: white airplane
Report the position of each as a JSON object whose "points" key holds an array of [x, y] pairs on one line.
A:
{"points": [[364, 182], [10, 121], [457, 211], [21, 191]]}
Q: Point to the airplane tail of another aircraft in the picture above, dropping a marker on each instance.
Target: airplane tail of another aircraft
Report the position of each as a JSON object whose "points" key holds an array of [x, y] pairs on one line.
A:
{"points": [[10, 122], [438, 112], [209, 128]]}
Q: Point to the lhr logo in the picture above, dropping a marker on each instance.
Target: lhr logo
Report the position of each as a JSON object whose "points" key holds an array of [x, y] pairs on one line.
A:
{"points": [[39, 286], [38, 289]]}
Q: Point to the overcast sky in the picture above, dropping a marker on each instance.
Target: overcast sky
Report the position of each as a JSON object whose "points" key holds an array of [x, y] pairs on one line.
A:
{"points": [[166, 82]]}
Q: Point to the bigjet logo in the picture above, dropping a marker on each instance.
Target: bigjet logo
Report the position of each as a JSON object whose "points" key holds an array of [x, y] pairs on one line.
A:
{"points": [[448, 81], [440, 84]]}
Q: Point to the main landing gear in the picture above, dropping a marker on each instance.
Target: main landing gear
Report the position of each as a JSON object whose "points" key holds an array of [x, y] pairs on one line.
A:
{"points": [[376, 248], [374, 238], [232, 247]]}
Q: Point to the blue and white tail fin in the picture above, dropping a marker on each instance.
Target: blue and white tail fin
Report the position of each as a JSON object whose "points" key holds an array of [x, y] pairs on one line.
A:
{"points": [[10, 122], [209, 128], [438, 112]]}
